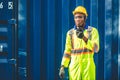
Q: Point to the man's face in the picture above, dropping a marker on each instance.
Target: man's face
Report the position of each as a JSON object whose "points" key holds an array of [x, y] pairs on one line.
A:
{"points": [[79, 19]]}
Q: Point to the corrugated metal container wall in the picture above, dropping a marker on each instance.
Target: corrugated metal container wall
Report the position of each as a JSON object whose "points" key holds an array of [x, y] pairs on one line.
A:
{"points": [[48, 22]]}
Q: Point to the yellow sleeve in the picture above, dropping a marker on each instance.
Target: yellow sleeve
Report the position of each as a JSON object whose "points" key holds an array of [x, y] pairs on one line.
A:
{"points": [[94, 41], [67, 52]]}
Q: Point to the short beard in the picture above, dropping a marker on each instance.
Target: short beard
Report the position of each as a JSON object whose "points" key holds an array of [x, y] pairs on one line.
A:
{"points": [[81, 25]]}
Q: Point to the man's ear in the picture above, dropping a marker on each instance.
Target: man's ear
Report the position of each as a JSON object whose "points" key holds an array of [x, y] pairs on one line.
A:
{"points": [[85, 18]]}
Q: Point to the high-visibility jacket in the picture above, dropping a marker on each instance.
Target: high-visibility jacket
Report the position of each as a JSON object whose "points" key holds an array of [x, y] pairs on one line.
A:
{"points": [[78, 55]]}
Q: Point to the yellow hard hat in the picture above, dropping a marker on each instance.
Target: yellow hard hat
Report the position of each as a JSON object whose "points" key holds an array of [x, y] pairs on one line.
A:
{"points": [[80, 9]]}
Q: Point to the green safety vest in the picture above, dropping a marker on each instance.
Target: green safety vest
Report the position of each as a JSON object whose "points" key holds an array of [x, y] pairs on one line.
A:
{"points": [[78, 55]]}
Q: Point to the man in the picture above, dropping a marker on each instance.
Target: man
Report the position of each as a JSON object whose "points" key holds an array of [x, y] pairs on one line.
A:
{"points": [[81, 43]]}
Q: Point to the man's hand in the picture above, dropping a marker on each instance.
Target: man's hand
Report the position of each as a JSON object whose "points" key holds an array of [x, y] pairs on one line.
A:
{"points": [[62, 72], [85, 39], [79, 32]]}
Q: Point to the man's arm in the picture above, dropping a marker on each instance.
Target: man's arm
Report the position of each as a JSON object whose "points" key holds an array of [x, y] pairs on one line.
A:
{"points": [[66, 56], [94, 41], [67, 52]]}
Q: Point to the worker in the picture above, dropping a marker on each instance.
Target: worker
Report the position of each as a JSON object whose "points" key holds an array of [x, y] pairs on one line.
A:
{"points": [[82, 42]]}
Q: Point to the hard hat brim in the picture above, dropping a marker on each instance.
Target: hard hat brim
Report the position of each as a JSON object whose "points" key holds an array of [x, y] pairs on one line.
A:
{"points": [[74, 12]]}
